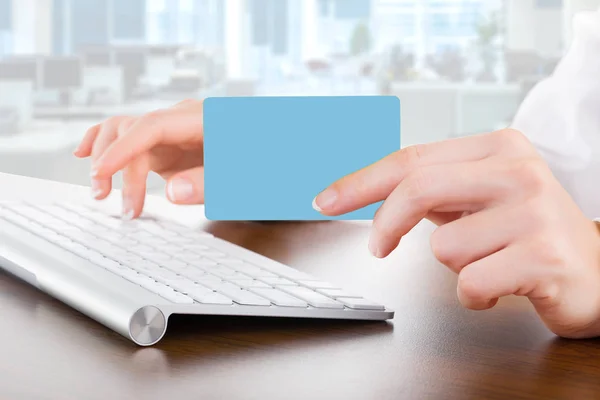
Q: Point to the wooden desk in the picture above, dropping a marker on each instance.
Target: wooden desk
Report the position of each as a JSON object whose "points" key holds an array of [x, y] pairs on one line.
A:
{"points": [[433, 349]]}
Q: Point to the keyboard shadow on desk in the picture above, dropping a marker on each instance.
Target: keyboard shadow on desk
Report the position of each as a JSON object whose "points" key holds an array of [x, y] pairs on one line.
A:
{"points": [[191, 339], [290, 242]]}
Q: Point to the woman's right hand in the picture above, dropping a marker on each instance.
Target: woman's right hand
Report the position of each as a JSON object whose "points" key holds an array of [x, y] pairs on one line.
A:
{"points": [[169, 142]]}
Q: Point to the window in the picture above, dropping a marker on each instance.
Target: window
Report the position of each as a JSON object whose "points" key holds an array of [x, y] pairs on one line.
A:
{"points": [[129, 19], [156, 6], [5, 15]]}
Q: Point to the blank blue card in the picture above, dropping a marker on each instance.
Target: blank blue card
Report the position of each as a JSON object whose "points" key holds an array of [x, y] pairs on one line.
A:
{"points": [[266, 158]]}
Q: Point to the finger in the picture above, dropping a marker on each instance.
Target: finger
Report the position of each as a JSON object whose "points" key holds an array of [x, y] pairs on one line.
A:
{"points": [[479, 235], [135, 177], [375, 182], [442, 218], [509, 271], [107, 133], [85, 147], [189, 103], [173, 126], [467, 186], [187, 187]]}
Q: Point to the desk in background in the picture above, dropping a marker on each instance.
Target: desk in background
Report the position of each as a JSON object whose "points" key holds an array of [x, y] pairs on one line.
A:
{"points": [[433, 349], [45, 150]]}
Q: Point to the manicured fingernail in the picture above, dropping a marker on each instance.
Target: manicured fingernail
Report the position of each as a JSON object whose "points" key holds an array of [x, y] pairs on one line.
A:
{"points": [[325, 200], [180, 189], [315, 206], [128, 215], [94, 172], [96, 190], [374, 248], [127, 209]]}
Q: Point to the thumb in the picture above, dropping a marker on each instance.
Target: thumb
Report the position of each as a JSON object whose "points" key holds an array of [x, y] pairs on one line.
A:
{"points": [[187, 187]]}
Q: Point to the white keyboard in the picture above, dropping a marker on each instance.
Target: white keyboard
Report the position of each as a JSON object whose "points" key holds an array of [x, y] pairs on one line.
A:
{"points": [[183, 270]]}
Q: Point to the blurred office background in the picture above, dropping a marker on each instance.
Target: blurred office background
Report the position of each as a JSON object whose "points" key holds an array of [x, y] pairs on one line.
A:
{"points": [[460, 67]]}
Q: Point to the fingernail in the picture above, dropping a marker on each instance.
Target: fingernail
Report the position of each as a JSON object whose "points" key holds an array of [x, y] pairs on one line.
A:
{"points": [[315, 205], [96, 190], [128, 215], [127, 209], [325, 199], [180, 189], [94, 172], [374, 248]]}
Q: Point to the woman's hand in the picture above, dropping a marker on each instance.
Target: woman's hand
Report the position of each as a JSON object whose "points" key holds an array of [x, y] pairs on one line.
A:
{"points": [[506, 226], [168, 142]]}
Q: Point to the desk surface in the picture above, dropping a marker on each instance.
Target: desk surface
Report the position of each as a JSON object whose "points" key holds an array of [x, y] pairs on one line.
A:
{"points": [[432, 349]]}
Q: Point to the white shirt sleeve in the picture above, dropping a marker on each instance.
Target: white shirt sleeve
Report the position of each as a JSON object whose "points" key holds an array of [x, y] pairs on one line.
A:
{"points": [[561, 115]]}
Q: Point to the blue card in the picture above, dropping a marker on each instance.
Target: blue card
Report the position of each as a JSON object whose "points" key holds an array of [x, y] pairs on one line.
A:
{"points": [[266, 158]]}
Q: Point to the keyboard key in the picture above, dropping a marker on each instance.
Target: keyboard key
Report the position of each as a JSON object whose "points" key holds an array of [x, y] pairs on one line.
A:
{"points": [[204, 263], [197, 247], [180, 240], [249, 283], [216, 298], [109, 264], [241, 296], [229, 261], [163, 275], [212, 254], [335, 293], [289, 273], [146, 281], [155, 242], [174, 227], [188, 257], [317, 284], [313, 298], [172, 248], [278, 281], [174, 296], [196, 292], [360, 304], [174, 265], [143, 265], [213, 283], [140, 249], [222, 271], [77, 249], [253, 271], [279, 298], [156, 256]]}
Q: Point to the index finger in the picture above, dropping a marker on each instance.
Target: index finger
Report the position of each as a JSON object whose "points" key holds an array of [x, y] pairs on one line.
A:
{"points": [[177, 125], [375, 182]]}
